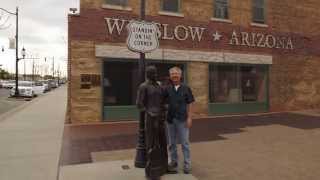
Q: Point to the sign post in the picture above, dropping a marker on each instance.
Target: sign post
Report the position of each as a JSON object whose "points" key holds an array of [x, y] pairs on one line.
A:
{"points": [[142, 38]]}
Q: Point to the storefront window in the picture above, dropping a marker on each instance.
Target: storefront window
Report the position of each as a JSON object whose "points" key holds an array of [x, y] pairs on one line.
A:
{"points": [[121, 81], [223, 84], [235, 83], [163, 72]]}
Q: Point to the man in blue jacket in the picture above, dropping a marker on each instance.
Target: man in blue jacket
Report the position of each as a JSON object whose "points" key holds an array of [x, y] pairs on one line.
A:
{"points": [[179, 98]]}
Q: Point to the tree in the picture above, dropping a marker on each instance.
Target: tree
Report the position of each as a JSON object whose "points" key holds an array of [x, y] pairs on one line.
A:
{"points": [[48, 77], [4, 74]]}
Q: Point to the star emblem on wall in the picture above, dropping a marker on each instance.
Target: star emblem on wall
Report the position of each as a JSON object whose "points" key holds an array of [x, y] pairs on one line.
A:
{"points": [[216, 36]]}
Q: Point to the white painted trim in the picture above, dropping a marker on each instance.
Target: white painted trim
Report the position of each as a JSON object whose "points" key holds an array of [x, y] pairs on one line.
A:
{"points": [[259, 25], [221, 20], [166, 13], [111, 51], [115, 7]]}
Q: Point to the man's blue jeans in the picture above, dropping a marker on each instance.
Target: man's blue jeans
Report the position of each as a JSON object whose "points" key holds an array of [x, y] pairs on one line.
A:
{"points": [[178, 129]]}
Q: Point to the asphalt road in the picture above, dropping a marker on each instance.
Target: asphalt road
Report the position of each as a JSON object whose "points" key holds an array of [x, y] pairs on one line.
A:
{"points": [[6, 104]]}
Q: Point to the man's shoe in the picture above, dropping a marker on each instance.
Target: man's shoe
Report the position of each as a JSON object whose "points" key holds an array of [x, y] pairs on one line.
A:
{"points": [[172, 168], [187, 170]]}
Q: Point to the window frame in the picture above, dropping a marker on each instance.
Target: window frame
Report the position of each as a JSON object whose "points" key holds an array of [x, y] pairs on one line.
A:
{"points": [[215, 2], [124, 7], [163, 10], [128, 112], [256, 6], [134, 63], [264, 67]]}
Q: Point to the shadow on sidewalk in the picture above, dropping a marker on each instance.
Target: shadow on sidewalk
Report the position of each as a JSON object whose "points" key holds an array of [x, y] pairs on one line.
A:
{"points": [[80, 141]]}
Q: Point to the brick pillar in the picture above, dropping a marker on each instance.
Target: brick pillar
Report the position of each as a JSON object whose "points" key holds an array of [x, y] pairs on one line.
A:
{"points": [[198, 80], [85, 104]]}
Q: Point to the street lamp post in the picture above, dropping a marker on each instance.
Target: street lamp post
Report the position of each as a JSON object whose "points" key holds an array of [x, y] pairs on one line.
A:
{"points": [[23, 53], [16, 94], [53, 67]]}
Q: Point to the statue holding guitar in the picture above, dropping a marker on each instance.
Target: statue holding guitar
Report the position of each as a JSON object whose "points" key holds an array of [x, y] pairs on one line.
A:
{"points": [[153, 100], [150, 99]]}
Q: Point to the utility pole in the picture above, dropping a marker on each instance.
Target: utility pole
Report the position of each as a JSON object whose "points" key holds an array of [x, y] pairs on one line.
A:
{"points": [[17, 58], [24, 71], [33, 70], [53, 67], [58, 73]]}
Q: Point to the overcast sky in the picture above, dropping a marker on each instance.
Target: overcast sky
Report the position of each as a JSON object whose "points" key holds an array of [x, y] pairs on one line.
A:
{"points": [[42, 31]]}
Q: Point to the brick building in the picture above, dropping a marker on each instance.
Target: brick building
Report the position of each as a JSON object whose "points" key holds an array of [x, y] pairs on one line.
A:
{"points": [[238, 57]]}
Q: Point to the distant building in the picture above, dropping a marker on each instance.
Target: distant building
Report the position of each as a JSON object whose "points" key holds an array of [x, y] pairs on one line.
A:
{"points": [[241, 56]]}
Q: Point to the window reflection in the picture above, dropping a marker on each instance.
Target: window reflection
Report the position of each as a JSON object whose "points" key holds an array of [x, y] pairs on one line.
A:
{"points": [[221, 9], [235, 83], [253, 83], [117, 2], [121, 79], [170, 5]]}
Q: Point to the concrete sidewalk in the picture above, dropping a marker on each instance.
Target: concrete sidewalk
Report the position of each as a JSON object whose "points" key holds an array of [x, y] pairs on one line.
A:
{"points": [[274, 146], [31, 138], [112, 170]]}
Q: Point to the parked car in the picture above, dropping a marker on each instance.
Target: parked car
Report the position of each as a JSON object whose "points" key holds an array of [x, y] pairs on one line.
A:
{"points": [[62, 81], [46, 84], [25, 89], [29, 89], [53, 83], [39, 87], [8, 84], [1, 82]]}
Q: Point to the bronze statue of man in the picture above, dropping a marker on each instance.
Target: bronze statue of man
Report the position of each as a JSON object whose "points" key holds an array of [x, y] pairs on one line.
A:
{"points": [[150, 99]]}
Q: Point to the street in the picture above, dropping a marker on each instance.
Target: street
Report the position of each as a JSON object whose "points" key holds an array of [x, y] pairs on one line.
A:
{"points": [[6, 104]]}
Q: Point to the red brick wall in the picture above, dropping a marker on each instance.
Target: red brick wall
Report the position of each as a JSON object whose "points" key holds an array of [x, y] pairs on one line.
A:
{"points": [[294, 74], [92, 26]]}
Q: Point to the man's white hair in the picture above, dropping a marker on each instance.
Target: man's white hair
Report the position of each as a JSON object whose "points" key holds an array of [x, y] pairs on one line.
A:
{"points": [[175, 68]]}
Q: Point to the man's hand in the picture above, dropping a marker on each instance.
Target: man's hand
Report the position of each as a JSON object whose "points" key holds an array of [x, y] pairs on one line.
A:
{"points": [[189, 122]]}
